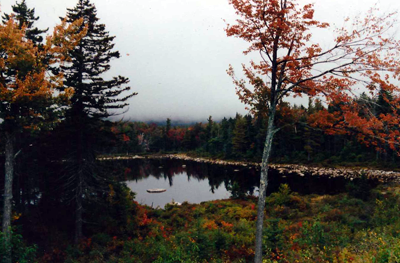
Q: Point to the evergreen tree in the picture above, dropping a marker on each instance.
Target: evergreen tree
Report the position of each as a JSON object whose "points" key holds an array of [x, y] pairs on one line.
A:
{"points": [[251, 134], [25, 16], [187, 140], [93, 96], [92, 100], [208, 132], [166, 133], [168, 125], [240, 140], [383, 102]]}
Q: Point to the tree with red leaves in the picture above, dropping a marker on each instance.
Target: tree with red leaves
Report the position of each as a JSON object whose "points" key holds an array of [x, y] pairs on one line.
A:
{"points": [[362, 57]]}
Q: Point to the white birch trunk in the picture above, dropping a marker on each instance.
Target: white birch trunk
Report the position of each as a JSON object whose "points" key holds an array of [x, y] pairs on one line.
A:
{"points": [[263, 186], [7, 205]]}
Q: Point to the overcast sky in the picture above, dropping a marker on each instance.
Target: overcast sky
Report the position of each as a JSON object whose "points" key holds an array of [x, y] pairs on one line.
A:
{"points": [[175, 52]]}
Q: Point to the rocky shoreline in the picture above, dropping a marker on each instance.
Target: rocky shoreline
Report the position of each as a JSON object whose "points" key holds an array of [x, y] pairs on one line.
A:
{"points": [[302, 170]]}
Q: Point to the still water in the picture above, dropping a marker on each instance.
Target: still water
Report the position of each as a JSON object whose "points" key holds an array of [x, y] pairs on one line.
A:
{"points": [[198, 182], [186, 181], [183, 188]]}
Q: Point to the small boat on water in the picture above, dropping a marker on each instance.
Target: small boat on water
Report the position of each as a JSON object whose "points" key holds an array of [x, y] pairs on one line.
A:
{"points": [[156, 190]]}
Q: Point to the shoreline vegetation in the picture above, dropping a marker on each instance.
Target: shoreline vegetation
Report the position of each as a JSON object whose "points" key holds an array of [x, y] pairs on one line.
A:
{"points": [[299, 169], [362, 225]]}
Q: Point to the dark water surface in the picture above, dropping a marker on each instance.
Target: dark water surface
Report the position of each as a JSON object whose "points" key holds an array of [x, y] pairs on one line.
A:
{"points": [[198, 182]]}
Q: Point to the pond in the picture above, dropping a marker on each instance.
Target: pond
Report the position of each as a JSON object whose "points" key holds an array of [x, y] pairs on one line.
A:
{"points": [[196, 182]]}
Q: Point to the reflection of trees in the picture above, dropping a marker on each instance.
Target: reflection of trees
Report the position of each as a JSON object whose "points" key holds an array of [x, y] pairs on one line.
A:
{"points": [[246, 178], [217, 175]]}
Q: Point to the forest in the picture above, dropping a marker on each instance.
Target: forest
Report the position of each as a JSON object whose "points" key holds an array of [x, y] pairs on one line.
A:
{"points": [[242, 138], [61, 202]]}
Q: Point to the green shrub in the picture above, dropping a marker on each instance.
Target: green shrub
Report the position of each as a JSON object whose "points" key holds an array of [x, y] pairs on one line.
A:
{"points": [[221, 241], [21, 252], [282, 197], [273, 234], [387, 211], [243, 233]]}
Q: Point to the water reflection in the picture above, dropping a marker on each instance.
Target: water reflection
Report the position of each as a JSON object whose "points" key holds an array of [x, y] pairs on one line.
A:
{"points": [[184, 181], [197, 182]]}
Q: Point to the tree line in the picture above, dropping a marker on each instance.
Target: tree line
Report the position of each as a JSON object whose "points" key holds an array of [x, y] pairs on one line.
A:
{"points": [[242, 137]]}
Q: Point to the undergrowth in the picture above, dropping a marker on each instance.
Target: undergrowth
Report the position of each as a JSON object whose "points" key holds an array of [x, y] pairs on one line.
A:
{"points": [[361, 226]]}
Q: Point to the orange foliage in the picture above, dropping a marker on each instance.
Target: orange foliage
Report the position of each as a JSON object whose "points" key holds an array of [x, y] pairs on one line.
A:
{"points": [[29, 90], [227, 226], [363, 57], [210, 224]]}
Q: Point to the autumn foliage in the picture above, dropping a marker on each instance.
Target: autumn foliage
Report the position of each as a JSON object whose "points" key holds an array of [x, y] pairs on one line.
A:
{"points": [[27, 94], [361, 58], [27, 91]]}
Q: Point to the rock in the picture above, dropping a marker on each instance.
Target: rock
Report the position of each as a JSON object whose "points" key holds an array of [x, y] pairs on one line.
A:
{"points": [[383, 176], [156, 190], [174, 203]]}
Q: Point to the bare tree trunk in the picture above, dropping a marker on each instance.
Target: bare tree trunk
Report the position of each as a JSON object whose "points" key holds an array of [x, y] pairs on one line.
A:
{"points": [[78, 212], [263, 185], [8, 181], [79, 189]]}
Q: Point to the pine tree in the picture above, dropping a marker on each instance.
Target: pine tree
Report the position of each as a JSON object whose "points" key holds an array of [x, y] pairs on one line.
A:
{"points": [[93, 96], [25, 16], [167, 142], [92, 100], [208, 132], [239, 139], [251, 134], [383, 101]]}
